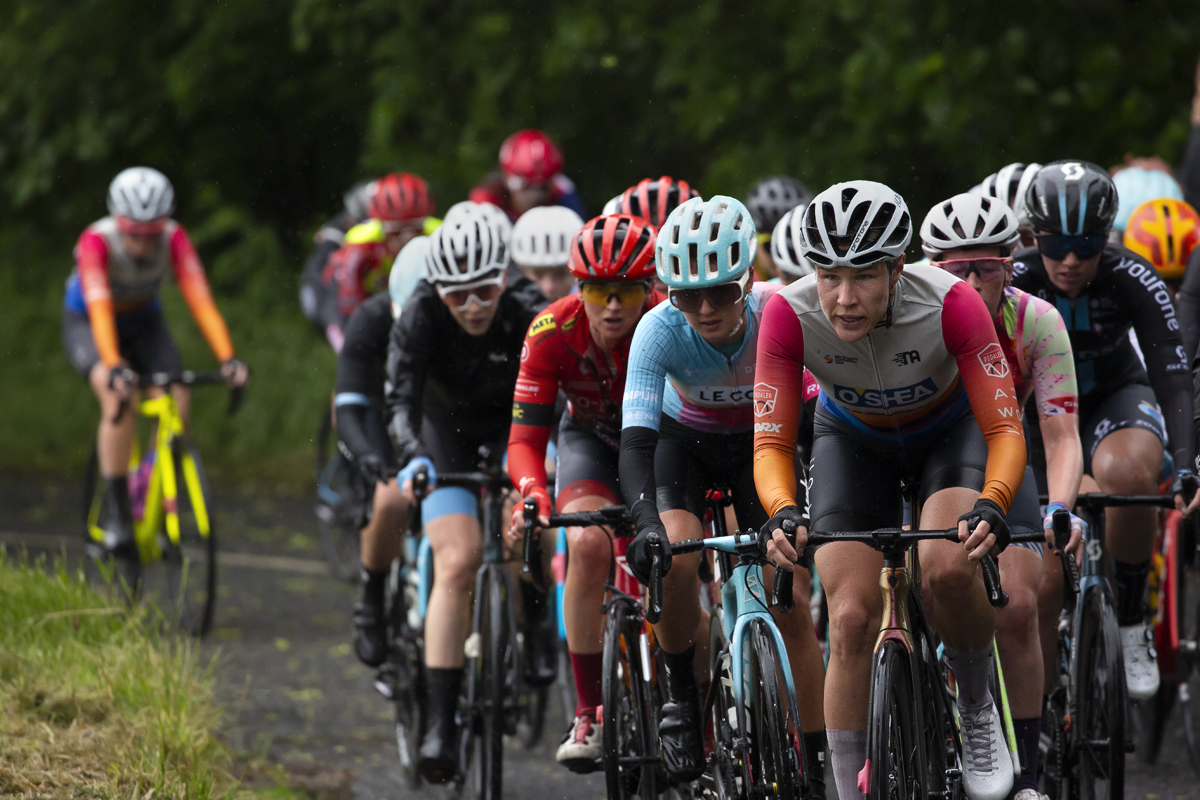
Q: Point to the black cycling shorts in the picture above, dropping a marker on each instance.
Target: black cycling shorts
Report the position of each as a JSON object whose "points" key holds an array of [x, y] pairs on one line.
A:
{"points": [[687, 463], [856, 479], [142, 338], [585, 466]]}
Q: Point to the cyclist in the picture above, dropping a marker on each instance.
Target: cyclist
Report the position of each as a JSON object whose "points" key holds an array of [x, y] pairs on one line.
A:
{"points": [[938, 405], [1147, 179], [580, 345], [972, 237], [768, 201], [452, 363], [1165, 232], [687, 425], [113, 325], [540, 244], [1101, 290], [318, 303], [1009, 185], [787, 247], [530, 175], [359, 405], [652, 200], [399, 209]]}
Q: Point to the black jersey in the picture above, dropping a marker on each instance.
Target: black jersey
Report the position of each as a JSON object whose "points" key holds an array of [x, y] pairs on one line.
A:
{"points": [[361, 371], [1127, 292], [433, 364]]}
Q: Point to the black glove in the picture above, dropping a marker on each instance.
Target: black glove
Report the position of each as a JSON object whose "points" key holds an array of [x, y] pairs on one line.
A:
{"points": [[229, 369], [788, 520], [637, 555], [373, 469], [1185, 483], [122, 373], [987, 511]]}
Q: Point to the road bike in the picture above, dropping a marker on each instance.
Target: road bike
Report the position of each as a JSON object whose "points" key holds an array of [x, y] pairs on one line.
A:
{"points": [[172, 527]]}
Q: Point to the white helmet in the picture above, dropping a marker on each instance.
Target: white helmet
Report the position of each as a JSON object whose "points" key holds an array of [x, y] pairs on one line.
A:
{"points": [[141, 194], [855, 224], [467, 246], [1009, 184], [407, 271], [542, 236], [613, 206], [968, 220], [493, 212], [786, 246]]}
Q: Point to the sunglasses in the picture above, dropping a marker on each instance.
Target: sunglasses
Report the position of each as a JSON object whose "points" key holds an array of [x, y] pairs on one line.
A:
{"points": [[1056, 247], [988, 269], [723, 295], [482, 294], [627, 294]]}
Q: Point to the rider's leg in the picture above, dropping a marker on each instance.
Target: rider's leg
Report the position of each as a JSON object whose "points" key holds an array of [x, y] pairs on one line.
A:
{"points": [[379, 545], [1021, 653], [114, 441], [1050, 600], [183, 402]]}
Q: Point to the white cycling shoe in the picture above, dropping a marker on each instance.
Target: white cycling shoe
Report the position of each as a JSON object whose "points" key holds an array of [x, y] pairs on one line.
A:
{"points": [[987, 767], [1141, 661], [1030, 794]]}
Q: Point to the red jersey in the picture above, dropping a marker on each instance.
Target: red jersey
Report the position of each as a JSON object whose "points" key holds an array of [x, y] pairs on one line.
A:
{"points": [[559, 354], [357, 271]]}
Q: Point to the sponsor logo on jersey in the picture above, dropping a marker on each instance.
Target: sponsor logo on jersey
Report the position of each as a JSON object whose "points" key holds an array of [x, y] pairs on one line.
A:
{"points": [[767, 427], [527, 388], [764, 399], [835, 359], [569, 324], [907, 357], [859, 397], [724, 395], [1148, 277], [993, 361], [543, 324], [524, 351]]}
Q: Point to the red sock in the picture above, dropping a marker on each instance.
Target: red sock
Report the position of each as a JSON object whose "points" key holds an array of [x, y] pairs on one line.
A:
{"points": [[589, 671]]}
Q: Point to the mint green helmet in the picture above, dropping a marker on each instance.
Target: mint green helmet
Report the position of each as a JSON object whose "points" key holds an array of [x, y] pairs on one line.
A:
{"points": [[407, 271], [705, 243]]}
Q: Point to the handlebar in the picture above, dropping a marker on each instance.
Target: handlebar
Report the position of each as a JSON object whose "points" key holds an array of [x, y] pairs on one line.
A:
{"points": [[615, 517], [1061, 522], [164, 380]]}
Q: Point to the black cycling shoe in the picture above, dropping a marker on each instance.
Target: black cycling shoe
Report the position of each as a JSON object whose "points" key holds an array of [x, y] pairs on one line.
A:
{"points": [[682, 738], [437, 760], [370, 627], [540, 649], [119, 543]]}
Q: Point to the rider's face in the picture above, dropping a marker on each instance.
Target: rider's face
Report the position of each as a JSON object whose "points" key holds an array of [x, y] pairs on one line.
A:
{"points": [[613, 321], [992, 291], [555, 282], [141, 245], [855, 299], [717, 326], [531, 195], [395, 240], [1070, 274]]}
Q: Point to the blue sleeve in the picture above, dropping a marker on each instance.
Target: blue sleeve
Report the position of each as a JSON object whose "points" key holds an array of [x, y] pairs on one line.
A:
{"points": [[649, 355]]}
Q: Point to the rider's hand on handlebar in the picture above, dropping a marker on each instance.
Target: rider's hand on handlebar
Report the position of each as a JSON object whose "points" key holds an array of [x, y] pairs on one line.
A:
{"points": [[122, 380], [637, 555], [373, 469], [1078, 529], [983, 530], [779, 544], [1184, 483], [516, 528], [405, 477], [235, 373]]}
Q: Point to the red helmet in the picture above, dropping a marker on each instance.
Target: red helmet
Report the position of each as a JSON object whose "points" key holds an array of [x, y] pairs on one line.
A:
{"points": [[614, 247], [653, 200], [400, 197], [531, 155]]}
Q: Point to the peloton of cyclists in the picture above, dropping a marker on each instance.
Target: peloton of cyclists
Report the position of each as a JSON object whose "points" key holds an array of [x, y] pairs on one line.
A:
{"points": [[530, 175], [318, 300], [113, 326], [540, 244]]}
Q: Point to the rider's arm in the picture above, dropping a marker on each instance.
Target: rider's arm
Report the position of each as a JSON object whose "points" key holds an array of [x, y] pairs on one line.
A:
{"points": [[358, 390], [413, 341], [1166, 362], [970, 337], [189, 273], [1188, 304], [533, 410], [641, 413], [778, 405], [91, 259], [1056, 393]]}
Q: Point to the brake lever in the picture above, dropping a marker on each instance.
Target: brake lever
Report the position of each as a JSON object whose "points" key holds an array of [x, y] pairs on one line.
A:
{"points": [[654, 598], [781, 586], [1061, 523], [236, 395], [532, 547], [991, 582]]}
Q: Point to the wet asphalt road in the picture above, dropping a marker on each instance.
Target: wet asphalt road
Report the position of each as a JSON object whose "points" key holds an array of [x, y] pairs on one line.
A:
{"points": [[293, 689]]}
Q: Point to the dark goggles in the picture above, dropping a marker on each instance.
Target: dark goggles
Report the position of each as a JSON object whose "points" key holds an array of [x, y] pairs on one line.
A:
{"points": [[988, 269], [720, 296], [1056, 247]]}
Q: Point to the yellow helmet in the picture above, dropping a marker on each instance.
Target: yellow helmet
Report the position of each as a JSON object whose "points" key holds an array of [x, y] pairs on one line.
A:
{"points": [[1164, 232]]}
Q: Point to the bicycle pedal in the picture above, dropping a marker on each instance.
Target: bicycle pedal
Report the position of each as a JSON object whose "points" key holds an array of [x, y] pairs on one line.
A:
{"points": [[385, 689]]}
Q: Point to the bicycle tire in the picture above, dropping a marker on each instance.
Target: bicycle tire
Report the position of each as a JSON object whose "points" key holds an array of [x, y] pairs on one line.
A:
{"points": [[409, 691], [1189, 683], [941, 744], [774, 757], [629, 726], [487, 696], [1098, 732], [1054, 773], [566, 687], [895, 740], [532, 702], [191, 567], [1153, 714], [340, 512], [724, 771]]}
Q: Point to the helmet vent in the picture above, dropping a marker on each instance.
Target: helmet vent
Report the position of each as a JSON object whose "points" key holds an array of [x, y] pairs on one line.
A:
{"points": [[735, 255], [901, 231], [711, 264], [848, 196], [714, 232], [737, 223], [674, 234], [695, 226], [693, 261]]}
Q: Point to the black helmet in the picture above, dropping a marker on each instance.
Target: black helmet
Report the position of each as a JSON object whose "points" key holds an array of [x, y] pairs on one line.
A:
{"points": [[773, 197], [1072, 198]]}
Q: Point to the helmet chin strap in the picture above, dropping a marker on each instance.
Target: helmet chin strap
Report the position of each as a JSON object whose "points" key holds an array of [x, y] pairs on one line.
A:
{"points": [[887, 320], [741, 321]]}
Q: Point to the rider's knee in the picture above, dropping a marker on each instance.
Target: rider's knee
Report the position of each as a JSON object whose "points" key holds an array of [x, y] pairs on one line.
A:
{"points": [[1128, 470], [591, 551], [1018, 620], [455, 567], [683, 576], [950, 575], [852, 628]]}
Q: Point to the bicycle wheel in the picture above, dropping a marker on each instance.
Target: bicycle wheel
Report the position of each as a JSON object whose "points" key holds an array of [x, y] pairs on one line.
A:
{"points": [[895, 740], [1167, 603], [408, 679], [486, 695], [630, 725], [340, 515], [1099, 730], [566, 687], [773, 760], [191, 566], [724, 769], [1054, 775], [941, 744]]}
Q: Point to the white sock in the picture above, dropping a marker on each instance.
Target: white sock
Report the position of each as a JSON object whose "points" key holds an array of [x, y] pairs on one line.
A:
{"points": [[849, 751], [971, 673]]}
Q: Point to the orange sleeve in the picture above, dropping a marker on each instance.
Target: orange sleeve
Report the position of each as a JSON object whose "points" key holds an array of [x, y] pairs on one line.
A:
{"points": [[91, 260], [970, 337], [189, 272], [778, 403]]}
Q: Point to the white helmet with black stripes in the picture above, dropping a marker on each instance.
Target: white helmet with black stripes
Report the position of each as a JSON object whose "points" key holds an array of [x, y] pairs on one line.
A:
{"points": [[786, 244], [969, 220], [141, 194], [470, 244], [855, 224]]}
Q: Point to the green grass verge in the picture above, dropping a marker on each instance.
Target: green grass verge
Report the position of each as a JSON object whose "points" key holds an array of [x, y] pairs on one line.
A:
{"points": [[94, 702], [50, 414]]}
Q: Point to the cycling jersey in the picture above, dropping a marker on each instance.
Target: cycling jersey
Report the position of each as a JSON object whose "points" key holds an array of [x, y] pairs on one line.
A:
{"points": [[358, 270], [672, 370], [436, 367], [108, 282], [492, 189], [558, 353], [898, 387], [1188, 303], [361, 372], [1126, 292], [318, 300], [1035, 341]]}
